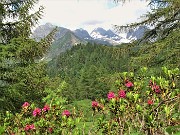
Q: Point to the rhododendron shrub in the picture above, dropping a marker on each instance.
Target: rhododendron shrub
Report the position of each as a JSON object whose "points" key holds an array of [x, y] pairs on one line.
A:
{"points": [[138, 103], [143, 104], [52, 118]]}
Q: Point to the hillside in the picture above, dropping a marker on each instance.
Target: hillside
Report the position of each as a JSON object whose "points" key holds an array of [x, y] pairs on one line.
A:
{"points": [[77, 82], [62, 44], [84, 66]]}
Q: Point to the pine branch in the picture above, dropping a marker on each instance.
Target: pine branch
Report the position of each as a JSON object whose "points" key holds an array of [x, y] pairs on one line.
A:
{"points": [[20, 27], [17, 2], [164, 17]]}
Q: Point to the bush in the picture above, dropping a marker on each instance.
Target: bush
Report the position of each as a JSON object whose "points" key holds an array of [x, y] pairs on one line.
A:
{"points": [[140, 104]]}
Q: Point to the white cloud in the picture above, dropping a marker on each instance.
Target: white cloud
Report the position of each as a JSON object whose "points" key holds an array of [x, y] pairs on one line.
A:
{"points": [[73, 14]]}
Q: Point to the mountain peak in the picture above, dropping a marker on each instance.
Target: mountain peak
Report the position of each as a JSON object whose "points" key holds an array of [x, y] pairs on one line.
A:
{"points": [[98, 35], [82, 33], [42, 31], [49, 25], [99, 30], [106, 35]]}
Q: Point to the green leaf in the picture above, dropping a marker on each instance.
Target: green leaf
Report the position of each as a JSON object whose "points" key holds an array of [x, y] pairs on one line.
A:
{"points": [[2, 129]]}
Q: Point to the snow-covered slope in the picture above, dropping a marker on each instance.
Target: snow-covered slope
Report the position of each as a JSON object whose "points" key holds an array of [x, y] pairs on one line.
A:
{"points": [[98, 35], [106, 35], [136, 33]]}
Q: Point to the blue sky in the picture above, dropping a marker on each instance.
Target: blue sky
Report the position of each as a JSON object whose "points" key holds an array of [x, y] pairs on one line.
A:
{"points": [[90, 14]]}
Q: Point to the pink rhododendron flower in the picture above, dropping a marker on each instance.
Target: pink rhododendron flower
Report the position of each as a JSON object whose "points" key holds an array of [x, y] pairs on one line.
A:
{"points": [[94, 104], [156, 88], [29, 127], [37, 111], [150, 102], [122, 94], [46, 108], [129, 84], [26, 104], [66, 113], [111, 95], [32, 126], [158, 91], [50, 130]]}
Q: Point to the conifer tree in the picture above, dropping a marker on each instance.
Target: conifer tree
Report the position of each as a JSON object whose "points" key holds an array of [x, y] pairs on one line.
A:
{"points": [[164, 18], [16, 18], [161, 46], [22, 77]]}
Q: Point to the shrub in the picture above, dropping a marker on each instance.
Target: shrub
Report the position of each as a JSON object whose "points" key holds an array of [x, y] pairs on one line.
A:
{"points": [[141, 104]]}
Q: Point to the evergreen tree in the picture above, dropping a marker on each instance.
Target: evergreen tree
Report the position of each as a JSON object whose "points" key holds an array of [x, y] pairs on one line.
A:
{"points": [[162, 40], [22, 77], [16, 18], [164, 17]]}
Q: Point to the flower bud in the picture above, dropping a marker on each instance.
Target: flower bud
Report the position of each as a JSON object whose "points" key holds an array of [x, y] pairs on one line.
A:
{"points": [[122, 107], [136, 97], [138, 108]]}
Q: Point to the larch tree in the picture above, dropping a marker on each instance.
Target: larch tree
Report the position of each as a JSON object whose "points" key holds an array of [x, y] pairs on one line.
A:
{"points": [[160, 44], [164, 18]]}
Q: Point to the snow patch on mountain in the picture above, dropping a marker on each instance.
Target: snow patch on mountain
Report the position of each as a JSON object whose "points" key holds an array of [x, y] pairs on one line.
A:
{"points": [[136, 33], [98, 35], [106, 35]]}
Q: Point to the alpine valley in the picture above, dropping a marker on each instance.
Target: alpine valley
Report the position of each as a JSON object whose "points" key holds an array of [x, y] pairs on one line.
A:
{"points": [[65, 38], [59, 81]]}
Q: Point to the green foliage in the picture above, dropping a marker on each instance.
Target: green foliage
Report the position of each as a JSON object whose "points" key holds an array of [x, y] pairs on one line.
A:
{"points": [[23, 76], [84, 68], [84, 108], [164, 52], [143, 109], [16, 19], [150, 105], [51, 121], [163, 17], [54, 96]]}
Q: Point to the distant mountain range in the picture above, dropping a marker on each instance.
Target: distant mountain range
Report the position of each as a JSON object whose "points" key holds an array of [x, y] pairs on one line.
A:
{"points": [[65, 38]]}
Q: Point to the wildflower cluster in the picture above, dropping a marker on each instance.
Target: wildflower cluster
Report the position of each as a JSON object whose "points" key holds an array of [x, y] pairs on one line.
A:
{"points": [[128, 84], [97, 106], [135, 105], [121, 92], [146, 105], [26, 104], [36, 120], [29, 127], [156, 88], [66, 113]]}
